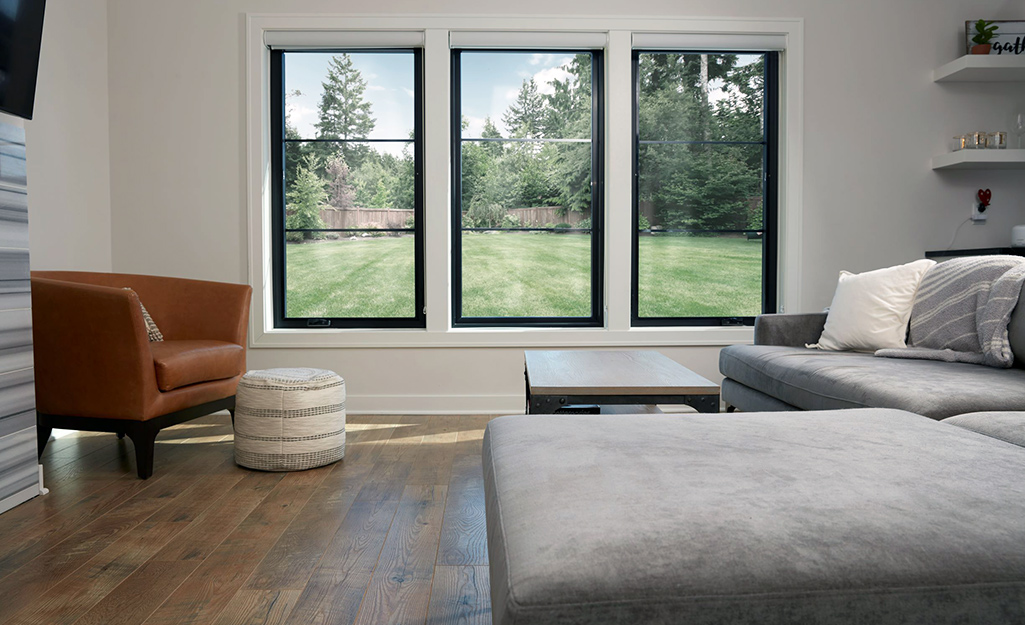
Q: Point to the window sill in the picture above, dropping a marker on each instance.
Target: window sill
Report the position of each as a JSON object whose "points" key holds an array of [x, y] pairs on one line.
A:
{"points": [[501, 337]]}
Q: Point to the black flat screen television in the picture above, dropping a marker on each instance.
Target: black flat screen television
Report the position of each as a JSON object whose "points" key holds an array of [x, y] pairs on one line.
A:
{"points": [[21, 31]]}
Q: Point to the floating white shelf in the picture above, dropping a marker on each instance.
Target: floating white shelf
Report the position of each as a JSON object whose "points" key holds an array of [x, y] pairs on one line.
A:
{"points": [[980, 159], [983, 68]]}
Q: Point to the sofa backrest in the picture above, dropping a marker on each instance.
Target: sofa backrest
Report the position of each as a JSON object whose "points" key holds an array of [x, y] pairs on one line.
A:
{"points": [[1016, 331]]}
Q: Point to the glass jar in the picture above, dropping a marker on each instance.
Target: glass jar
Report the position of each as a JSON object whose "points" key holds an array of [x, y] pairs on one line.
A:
{"points": [[996, 140], [960, 142]]}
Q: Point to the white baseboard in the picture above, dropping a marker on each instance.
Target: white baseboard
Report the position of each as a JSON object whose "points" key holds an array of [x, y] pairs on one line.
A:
{"points": [[434, 404], [18, 498]]}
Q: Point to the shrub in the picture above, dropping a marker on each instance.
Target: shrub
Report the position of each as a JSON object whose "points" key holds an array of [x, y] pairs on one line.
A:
{"points": [[510, 221], [411, 221], [484, 214], [373, 225], [643, 223], [584, 223]]}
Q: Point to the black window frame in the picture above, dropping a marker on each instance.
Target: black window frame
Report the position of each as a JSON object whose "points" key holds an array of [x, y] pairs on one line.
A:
{"points": [[597, 317], [278, 142], [770, 199]]}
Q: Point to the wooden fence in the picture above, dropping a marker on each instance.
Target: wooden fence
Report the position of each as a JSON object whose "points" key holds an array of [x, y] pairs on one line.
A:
{"points": [[365, 217], [353, 218], [538, 216]]}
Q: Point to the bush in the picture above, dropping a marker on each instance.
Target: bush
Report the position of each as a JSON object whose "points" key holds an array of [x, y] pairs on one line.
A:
{"points": [[484, 214], [510, 221], [373, 225], [411, 221], [643, 223], [584, 223]]}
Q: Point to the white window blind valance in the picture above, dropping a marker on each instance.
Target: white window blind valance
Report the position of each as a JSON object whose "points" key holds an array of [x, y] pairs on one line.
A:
{"points": [[524, 39], [326, 39], [709, 41]]}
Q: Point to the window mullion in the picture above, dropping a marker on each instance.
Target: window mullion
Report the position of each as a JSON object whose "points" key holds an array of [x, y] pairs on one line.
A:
{"points": [[437, 203], [618, 179]]}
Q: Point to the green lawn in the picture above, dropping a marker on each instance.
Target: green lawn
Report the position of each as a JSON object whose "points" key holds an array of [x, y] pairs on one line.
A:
{"points": [[524, 275], [700, 277], [368, 277]]}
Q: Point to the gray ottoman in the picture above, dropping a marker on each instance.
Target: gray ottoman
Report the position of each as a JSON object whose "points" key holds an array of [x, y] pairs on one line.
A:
{"points": [[834, 517], [289, 419]]}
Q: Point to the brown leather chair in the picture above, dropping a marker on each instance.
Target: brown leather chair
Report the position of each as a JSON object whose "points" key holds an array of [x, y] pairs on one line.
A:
{"points": [[96, 369]]}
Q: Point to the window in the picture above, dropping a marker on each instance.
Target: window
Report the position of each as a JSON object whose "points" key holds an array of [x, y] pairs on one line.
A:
{"points": [[705, 153], [507, 171], [347, 195], [527, 174]]}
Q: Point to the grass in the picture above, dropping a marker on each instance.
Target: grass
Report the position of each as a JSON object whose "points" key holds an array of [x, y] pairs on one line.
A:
{"points": [[520, 275], [700, 277], [368, 277]]}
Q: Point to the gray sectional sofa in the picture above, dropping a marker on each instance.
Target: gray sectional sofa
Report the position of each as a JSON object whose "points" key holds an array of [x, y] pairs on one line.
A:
{"points": [[797, 518], [779, 373]]}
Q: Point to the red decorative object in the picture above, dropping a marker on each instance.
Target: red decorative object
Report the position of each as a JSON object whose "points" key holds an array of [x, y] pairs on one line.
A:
{"points": [[985, 195]]}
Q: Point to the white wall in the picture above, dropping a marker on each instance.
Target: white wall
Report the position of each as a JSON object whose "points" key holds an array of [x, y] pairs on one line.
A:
{"points": [[68, 141], [873, 120]]}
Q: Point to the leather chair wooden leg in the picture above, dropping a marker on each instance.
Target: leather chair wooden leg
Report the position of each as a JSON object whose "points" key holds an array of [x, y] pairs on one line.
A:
{"points": [[43, 436], [144, 440]]}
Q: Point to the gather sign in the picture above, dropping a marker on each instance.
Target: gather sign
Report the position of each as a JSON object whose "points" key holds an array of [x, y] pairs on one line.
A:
{"points": [[1008, 39]]}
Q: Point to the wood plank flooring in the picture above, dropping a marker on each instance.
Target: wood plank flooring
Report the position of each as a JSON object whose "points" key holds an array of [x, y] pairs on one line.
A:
{"points": [[392, 534]]}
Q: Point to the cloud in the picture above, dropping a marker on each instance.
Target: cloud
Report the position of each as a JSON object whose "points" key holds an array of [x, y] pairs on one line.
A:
{"points": [[377, 88], [407, 91], [545, 77], [544, 59], [475, 126]]}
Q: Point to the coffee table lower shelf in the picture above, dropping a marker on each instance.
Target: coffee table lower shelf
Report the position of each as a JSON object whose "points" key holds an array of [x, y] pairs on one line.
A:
{"points": [[553, 404]]}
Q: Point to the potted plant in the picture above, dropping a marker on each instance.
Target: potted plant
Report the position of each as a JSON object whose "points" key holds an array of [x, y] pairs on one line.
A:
{"points": [[984, 32]]}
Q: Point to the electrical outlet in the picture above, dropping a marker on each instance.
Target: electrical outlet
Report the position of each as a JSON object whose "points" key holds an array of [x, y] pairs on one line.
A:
{"points": [[979, 213]]}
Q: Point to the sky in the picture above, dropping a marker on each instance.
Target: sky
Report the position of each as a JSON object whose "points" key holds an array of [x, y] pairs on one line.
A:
{"points": [[490, 82]]}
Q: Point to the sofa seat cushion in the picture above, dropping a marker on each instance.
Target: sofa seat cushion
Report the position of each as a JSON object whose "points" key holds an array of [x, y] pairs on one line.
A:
{"points": [[820, 380], [1006, 426], [844, 517], [180, 363]]}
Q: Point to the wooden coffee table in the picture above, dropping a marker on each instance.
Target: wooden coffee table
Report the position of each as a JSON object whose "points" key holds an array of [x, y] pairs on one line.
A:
{"points": [[564, 380]]}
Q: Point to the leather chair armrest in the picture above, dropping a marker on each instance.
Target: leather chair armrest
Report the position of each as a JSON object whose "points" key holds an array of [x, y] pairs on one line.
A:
{"points": [[793, 330], [92, 355]]}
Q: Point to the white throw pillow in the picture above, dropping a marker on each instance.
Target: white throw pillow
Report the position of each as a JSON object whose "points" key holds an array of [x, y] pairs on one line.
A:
{"points": [[871, 310]]}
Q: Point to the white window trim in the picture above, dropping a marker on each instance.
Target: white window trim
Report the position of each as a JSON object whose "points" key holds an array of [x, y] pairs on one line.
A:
{"points": [[437, 206]]}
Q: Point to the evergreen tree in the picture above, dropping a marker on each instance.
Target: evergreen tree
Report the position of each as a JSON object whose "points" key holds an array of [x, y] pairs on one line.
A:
{"points": [[344, 114], [304, 200], [525, 117]]}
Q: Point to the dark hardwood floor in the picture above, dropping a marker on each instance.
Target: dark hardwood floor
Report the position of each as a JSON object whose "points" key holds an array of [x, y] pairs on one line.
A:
{"points": [[392, 534]]}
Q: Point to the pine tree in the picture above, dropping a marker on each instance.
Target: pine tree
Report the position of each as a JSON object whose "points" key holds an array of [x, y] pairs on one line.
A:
{"points": [[525, 117], [344, 114], [304, 200]]}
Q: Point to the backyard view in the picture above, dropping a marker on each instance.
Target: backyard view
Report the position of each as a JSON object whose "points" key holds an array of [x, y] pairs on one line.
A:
{"points": [[719, 275], [525, 187]]}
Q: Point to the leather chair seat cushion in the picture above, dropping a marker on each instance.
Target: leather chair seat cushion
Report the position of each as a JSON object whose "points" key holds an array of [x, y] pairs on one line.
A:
{"points": [[181, 363]]}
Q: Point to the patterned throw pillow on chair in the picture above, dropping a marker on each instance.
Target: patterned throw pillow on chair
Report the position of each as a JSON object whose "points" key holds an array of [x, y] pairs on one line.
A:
{"points": [[151, 327]]}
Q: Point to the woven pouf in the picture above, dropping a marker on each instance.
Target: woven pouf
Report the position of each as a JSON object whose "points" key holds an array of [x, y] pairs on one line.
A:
{"points": [[289, 419]]}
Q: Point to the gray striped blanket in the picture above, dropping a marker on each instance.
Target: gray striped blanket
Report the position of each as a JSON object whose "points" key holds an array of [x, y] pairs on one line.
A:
{"points": [[961, 311]]}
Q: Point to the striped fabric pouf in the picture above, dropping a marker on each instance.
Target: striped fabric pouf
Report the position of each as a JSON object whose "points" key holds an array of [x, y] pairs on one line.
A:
{"points": [[289, 419]]}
